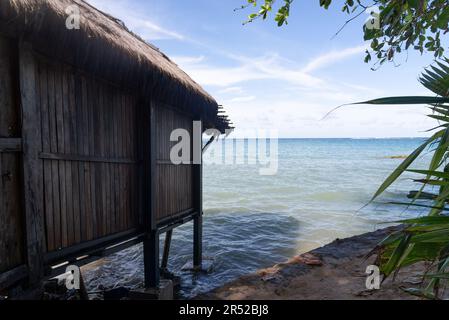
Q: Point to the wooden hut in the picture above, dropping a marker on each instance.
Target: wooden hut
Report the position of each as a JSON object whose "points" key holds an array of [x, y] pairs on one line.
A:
{"points": [[85, 121]]}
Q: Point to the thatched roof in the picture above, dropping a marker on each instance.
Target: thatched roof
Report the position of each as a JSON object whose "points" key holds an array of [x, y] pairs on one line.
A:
{"points": [[105, 47]]}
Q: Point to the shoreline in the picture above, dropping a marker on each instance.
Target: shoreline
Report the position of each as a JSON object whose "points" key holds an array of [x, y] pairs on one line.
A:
{"points": [[335, 271]]}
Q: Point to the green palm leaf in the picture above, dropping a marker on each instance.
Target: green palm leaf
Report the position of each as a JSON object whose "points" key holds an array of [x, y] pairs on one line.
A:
{"points": [[425, 238]]}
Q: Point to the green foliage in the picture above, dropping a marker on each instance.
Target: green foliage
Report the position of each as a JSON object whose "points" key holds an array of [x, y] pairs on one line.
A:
{"points": [[404, 24], [425, 238]]}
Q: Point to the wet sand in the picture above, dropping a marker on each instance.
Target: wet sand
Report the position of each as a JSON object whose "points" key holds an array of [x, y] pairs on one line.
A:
{"points": [[335, 271]]}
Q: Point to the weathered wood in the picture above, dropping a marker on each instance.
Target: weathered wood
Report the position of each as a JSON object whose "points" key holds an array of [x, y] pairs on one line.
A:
{"points": [[87, 157], [10, 145], [174, 182], [101, 109], [198, 194], [11, 213], [74, 165], [94, 253], [54, 173], [9, 116], [92, 132], [10, 277], [84, 179], [49, 212], [11, 235], [153, 165], [32, 165], [151, 241], [151, 259], [67, 138], [80, 101], [116, 183], [75, 251], [60, 128], [166, 253]]}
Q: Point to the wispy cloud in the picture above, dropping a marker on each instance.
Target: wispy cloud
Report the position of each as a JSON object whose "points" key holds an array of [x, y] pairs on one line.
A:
{"points": [[187, 59], [266, 67], [148, 29], [332, 57], [231, 90], [243, 99]]}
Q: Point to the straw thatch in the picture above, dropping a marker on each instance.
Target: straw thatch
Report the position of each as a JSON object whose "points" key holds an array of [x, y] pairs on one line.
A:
{"points": [[104, 47]]}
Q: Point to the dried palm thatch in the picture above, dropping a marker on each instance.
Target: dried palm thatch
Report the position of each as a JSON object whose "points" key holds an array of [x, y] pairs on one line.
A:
{"points": [[104, 47]]}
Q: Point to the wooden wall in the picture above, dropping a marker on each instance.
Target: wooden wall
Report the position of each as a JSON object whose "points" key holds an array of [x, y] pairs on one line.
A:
{"points": [[11, 214], [89, 154], [73, 166], [174, 183]]}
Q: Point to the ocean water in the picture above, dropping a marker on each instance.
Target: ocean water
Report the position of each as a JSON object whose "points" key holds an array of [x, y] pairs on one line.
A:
{"points": [[253, 221]]}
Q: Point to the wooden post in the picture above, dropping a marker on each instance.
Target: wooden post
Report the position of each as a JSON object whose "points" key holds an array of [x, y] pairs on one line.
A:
{"points": [[151, 241], [32, 165], [166, 253], [198, 194], [151, 260]]}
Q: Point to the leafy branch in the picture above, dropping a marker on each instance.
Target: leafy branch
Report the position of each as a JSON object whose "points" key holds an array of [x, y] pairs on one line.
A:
{"points": [[403, 24]]}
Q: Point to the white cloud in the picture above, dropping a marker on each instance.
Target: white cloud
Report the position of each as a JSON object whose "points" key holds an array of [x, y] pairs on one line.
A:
{"points": [[231, 90], [266, 67], [187, 60], [299, 117], [147, 29], [332, 57], [243, 99], [269, 91]]}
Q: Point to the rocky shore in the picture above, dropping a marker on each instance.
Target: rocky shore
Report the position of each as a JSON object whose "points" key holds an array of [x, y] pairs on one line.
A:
{"points": [[335, 271]]}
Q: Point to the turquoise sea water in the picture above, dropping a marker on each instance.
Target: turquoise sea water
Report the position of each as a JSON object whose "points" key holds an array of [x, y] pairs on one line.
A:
{"points": [[253, 221]]}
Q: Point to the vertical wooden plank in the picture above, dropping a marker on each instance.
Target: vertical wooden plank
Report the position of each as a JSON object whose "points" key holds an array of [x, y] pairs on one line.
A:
{"points": [[59, 109], [130, 171], [124, 153], [97, 151], [74, 165], [91, 144], [9, 117], [32, 165], [11, 218], [102, 109], [137, 156], [151, 241], [54, 189], [80, 102], [67, 138], [87, 170], [13, 204], [11, 235], [107, 177], [198, 194], [116, 183], [140, 169], [48, 184]]}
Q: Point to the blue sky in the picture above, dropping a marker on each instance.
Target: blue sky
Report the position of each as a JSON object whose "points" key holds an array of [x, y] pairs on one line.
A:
{"points": [[284, 79]]}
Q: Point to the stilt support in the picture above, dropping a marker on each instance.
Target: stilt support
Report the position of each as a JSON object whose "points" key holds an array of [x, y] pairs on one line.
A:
{"points": [[166, 253], [151, 260]]}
